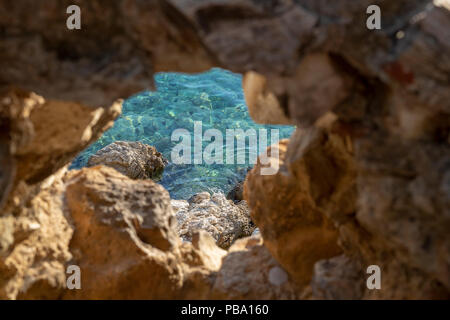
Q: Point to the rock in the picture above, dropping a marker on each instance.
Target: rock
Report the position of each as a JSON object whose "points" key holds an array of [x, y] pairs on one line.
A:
{"points": [[203, 259], [324, 86], [262, 104], [210, 254], [115, 229], [248, 35], [199, 197], [338, 278], [249, 271], [84, 66], [313, 184], [45, 135], [42, 138], [388, 92], [221, 218], [115, 245], [391, 117], [33, 261], [133, 159], [237, 193], [179, 205]]}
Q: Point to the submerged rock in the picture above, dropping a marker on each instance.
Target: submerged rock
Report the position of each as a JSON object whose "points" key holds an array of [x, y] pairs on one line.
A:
{"points": [[133, 159], [221, 218]]}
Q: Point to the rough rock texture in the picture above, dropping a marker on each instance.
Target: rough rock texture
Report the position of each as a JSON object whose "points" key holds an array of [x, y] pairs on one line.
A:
{"points": [[221, 218], [264, 277], [34, 243], [263, 104], [133, 159], [122, 235], [237, 193], [114, 54], [40, 136], [388, 95], [382, 94], [337, 278], [315, 181]]}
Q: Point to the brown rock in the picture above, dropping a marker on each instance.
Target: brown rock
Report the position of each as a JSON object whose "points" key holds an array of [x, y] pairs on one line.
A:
{"points": [[249, 271], [387, 89], [133, 159], [123, 233], [34, 244], [221, 218], [292, 208], [45, 135]]}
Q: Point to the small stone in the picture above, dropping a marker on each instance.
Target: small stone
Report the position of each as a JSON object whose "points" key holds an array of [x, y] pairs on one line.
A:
{"points": [[277, 276], [221, 218]]}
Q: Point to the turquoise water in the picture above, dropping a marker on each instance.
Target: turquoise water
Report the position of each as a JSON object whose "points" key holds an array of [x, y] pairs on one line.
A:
{"points": [[216, 99]]}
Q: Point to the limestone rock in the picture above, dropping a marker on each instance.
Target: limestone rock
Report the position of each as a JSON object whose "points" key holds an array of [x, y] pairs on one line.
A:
{"points": [[249, 271], [237, 193], [221, 218], [247, 35], [202, 258], [262, 104], [133, 159], [114, 55], [124, 236], [387, 89], [338, 278], [34, 258], [293, 208]]}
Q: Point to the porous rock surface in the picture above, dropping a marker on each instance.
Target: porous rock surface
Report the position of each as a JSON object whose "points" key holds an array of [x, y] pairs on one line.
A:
{"points": [[220, 217], [237, 193], [313, 183], [337, 278], [131, 158], [365, 177], [264, 277]]}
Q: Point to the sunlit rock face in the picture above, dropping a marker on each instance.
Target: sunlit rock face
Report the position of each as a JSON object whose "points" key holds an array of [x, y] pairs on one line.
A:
{"points": [[388, 95], [133, 159], [196, 103]]}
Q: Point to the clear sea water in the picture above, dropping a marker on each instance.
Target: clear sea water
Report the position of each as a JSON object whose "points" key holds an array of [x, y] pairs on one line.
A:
{"points": [[214, 97]]}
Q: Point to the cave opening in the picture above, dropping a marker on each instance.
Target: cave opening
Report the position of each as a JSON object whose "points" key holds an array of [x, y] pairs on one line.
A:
{"points": [[213, 100]]}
